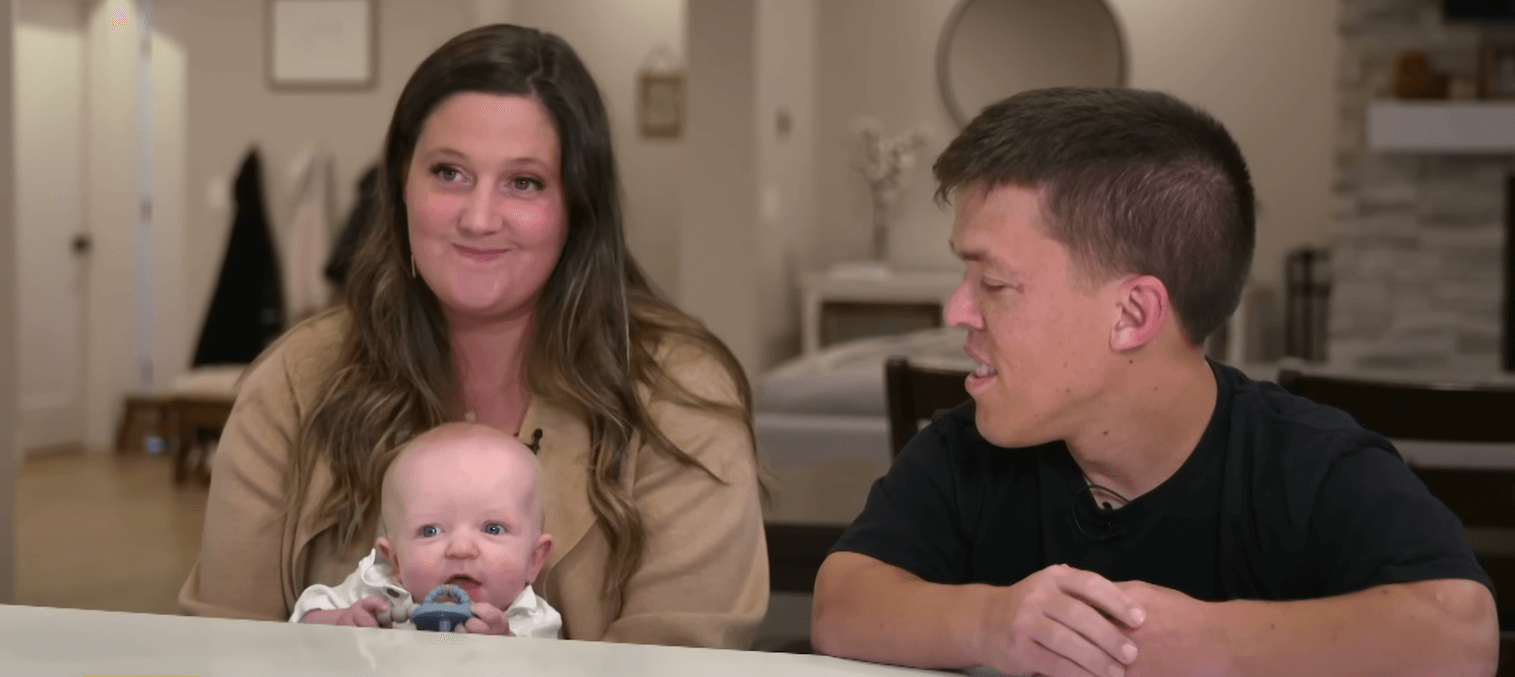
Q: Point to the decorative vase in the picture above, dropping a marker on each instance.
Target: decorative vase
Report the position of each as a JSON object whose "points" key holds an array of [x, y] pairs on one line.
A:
{"points": [[880, 230], [884, 162]]}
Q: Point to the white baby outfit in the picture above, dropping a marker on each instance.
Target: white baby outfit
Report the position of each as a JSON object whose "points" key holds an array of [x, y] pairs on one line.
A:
{"points": [[528, 616]]}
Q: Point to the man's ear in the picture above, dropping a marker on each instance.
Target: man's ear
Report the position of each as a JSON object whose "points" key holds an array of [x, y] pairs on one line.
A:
{"points": [[1142, 308], [539, 555]]}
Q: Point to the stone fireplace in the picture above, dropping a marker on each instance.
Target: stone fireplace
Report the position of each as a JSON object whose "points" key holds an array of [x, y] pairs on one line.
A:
{"points": [[1418, 255]]}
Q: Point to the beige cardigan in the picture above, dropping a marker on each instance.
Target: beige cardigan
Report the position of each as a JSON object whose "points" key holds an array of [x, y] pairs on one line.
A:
{"points": [[703, 581]]}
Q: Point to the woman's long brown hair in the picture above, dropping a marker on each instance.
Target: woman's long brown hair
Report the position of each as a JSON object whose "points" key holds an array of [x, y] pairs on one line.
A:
{"points": [[596, 327]]}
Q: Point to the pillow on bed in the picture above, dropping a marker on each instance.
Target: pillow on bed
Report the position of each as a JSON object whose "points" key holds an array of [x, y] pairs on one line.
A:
{"points": [[848, 378]]}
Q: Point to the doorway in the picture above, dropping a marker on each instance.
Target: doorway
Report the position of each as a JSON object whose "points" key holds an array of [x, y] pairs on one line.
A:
{"points": [[51, 235]]}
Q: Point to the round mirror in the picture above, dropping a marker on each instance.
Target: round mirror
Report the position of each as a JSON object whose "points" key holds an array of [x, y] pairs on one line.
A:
{"points": [[992, 49]]}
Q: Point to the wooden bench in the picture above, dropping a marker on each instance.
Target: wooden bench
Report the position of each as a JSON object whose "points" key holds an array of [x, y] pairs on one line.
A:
{"points": [[188, 417]]}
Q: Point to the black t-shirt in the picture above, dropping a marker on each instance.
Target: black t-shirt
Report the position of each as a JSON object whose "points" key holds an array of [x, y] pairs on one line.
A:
{"points": [[1282, 499]]}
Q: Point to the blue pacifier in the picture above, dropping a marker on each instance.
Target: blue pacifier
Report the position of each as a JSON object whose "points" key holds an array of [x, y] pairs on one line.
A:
{"points": [[442, 616]]}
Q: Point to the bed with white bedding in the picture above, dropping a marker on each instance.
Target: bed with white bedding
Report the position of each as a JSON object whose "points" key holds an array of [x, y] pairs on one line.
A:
{"points": [[822, 422]]}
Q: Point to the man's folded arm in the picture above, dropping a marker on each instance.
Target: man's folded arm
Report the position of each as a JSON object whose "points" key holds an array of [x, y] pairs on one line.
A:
{"points": [[868, 610], [1440, 627]]}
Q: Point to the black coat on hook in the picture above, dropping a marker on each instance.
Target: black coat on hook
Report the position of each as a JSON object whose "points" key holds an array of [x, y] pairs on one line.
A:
{"points": [[363, 210], [247, 310]]}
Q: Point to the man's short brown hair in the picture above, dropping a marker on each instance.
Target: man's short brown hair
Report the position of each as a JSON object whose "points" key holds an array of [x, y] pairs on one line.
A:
{"points": [[1132, 182]]}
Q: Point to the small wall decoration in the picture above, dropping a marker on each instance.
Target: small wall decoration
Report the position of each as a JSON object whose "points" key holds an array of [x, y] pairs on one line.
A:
{"points": [[661, 105], [321, 44], [660, 95]]}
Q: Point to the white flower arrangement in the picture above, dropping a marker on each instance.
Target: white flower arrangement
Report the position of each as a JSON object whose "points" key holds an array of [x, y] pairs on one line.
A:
{"points": [[885, 163]]}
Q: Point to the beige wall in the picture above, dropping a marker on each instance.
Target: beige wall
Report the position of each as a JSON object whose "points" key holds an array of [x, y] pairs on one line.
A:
{"points": [[112, 216], [786, 37], [616, 39], [718, 270], [493, 11], [1265, 68], [170, 69], [748, 190], [878, 60], [7, 314]]}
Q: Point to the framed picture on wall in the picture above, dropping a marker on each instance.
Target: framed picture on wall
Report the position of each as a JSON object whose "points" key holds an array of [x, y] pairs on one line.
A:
{"points": [[660, 108], [322, 44], [1496, 70]]}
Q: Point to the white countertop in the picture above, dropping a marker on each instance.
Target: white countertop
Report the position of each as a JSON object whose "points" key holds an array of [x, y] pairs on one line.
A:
{"points": [[46, 642]]}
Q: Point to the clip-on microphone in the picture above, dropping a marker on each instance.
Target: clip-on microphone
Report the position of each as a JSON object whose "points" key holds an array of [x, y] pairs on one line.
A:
{"points": [[1105, 526]]}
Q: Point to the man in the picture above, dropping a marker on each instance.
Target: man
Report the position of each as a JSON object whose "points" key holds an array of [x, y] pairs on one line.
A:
{"points": [[1112, 503]]}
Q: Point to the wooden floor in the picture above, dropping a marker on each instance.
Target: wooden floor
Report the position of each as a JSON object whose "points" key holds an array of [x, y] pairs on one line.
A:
{"points": [[96, 531]]}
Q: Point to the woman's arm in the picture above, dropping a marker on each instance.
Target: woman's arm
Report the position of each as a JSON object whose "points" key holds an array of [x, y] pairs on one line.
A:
{"points": [[704, 579], [238, 573]]}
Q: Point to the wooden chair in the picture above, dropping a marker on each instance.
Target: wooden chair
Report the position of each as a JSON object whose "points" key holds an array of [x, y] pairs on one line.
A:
{"points": [[1483, 498], [187, 422], [795, 553], [1442, 412], [195, 422], [198, 404], [914, 394], [144, 416]]}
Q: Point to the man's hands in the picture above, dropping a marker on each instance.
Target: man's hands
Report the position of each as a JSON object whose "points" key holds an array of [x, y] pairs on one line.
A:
{"points": [[1058, 622], [487, 618], [1181, 636], [1064, 622]]}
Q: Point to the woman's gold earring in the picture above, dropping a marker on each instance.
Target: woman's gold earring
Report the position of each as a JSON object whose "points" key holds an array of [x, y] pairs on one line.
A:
{"points": [[412, 265]]}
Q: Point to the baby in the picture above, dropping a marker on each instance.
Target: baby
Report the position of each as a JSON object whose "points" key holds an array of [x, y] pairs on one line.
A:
{"points": [[461, 506]]}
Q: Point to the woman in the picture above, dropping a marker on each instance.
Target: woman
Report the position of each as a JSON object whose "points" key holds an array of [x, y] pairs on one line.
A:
{"points": [[495, 286]]}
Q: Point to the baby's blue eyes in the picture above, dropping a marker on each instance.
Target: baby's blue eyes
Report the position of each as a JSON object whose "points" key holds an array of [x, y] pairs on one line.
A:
{"points": [[493, 529]]}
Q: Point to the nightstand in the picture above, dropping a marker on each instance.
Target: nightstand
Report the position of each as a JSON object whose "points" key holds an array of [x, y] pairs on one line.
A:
{"points": [[839, 306]]}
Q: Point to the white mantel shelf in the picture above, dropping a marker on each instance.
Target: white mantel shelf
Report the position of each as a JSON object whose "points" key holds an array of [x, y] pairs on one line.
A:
{"points": [[1441, 127]]}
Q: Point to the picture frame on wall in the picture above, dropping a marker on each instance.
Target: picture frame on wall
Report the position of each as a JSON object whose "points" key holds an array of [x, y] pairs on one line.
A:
{"points": [[660, 105], [1496, 70], [322, 44]]}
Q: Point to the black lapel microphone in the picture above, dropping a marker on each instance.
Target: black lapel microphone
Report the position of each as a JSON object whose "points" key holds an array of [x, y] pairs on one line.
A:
{"points": [[1103, 525], [535, 444]]}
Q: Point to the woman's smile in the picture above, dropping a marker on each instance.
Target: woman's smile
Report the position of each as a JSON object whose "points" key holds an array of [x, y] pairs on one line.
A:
{"points": [[479, 254]]}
